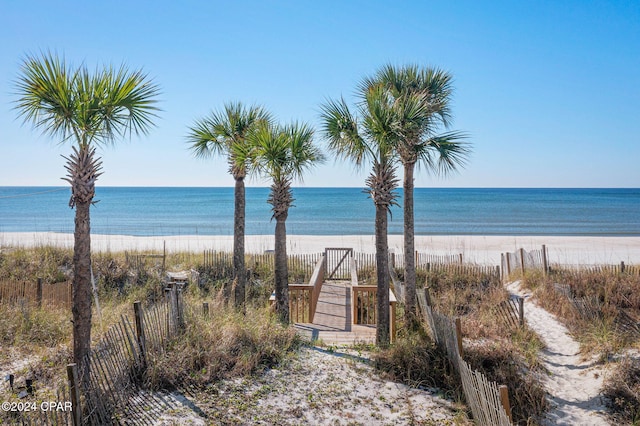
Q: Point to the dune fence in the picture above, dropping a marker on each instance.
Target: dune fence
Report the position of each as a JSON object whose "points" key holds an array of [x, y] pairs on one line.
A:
{"points": [[522, 261], [219, 264], [106, 387], [36, 293], [489, 402]]}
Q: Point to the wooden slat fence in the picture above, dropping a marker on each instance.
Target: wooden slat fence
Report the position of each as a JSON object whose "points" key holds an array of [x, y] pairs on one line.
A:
{"points": [[220, 264], [36, 293], [465, 269], [620, 268], [109, 376], [141, 261], [488, 401], [590, 308], [511, 311], [522, 260], [424, 259], [484, 397]]}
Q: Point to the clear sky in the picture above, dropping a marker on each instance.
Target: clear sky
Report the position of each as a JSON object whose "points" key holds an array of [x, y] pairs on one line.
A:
{"points": [[549, 91]]}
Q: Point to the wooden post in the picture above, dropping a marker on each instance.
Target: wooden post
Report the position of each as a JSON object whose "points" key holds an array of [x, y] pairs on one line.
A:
{"points": [[164, 255], [622, 267], [427, 296], [504, 399], [137, 309], [461, 258], [392, 325], [522, 259], [39, 293], [502, 267], [521, 310], [508, 263], [545, 263], [178, 291], [205, 309], [459, 335], [76, 411]]}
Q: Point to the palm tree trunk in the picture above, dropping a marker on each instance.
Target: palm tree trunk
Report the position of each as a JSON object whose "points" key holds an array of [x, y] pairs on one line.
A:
{"points": [[382, 266], [281, 269], [409, 245], [82, 284], [239, 271]]}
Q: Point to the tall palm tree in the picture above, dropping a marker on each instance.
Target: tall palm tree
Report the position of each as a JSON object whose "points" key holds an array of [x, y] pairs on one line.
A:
{"points": [[418, 142], [224, 133], [86, 110], [283, 154], [367, 138]]}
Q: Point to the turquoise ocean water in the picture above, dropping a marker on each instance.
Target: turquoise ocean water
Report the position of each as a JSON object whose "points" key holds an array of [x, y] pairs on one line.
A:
{"points": [[149, 211]]}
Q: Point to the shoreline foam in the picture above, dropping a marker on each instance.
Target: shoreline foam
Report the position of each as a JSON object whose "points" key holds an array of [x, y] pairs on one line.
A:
{"points": [[476, 249]]}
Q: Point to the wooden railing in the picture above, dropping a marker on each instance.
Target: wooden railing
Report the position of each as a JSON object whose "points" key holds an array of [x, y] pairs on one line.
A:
{"points": [[317, 278], [300, 303], [364, 303], [303, 298]]}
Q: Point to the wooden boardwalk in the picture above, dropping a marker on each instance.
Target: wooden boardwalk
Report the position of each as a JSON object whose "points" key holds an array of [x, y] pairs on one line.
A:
{"points": [[333, 322]]}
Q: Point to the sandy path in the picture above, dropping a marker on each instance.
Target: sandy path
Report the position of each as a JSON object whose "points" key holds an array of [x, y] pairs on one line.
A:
{"points": [[573, 385], [319, 387]]}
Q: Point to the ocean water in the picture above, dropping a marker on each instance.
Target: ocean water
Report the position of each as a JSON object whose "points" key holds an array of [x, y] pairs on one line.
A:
{"points": [[149, 211]]}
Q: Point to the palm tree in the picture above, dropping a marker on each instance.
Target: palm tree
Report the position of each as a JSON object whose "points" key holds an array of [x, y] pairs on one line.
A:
{"points": [[418, 142], [367, 137], [87, 110], [283, 154], [224, 133]]}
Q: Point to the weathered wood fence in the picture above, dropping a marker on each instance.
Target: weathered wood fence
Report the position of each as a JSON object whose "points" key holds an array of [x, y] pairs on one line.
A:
{"points": [[620, 268], [522, 260], [140, 261], [106, 388], [423, 260], [590, 308], [489, 402], [107, 383], [220, 264], [36, 293]]}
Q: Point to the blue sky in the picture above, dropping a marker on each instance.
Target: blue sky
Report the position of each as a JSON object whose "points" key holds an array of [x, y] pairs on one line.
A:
{"points": [[548, 91]]}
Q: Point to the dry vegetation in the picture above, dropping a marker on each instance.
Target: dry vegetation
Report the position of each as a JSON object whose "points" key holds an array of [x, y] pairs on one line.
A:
{"points": [[505, 355], [612, 297], [35, 343]]}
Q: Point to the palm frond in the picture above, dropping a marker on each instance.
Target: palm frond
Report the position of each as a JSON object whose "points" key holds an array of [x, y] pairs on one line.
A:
{"points": [[452, 152], [225, 133], [91, 107], [340, 129]]}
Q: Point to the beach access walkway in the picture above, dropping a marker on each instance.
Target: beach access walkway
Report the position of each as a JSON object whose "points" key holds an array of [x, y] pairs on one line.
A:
{"points": [[333, 320], [334, 308]]}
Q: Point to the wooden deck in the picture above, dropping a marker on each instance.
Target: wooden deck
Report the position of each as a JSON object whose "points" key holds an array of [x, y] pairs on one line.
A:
{"points": [[333, 322]]}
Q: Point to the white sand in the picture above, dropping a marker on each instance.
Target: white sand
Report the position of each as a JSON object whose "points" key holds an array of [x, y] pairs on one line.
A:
{"points": [[319, 387], [478, 249], [573, 384]]}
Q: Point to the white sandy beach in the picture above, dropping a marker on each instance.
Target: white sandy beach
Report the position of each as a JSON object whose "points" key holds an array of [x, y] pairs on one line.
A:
{"points": [[477, 249]]}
